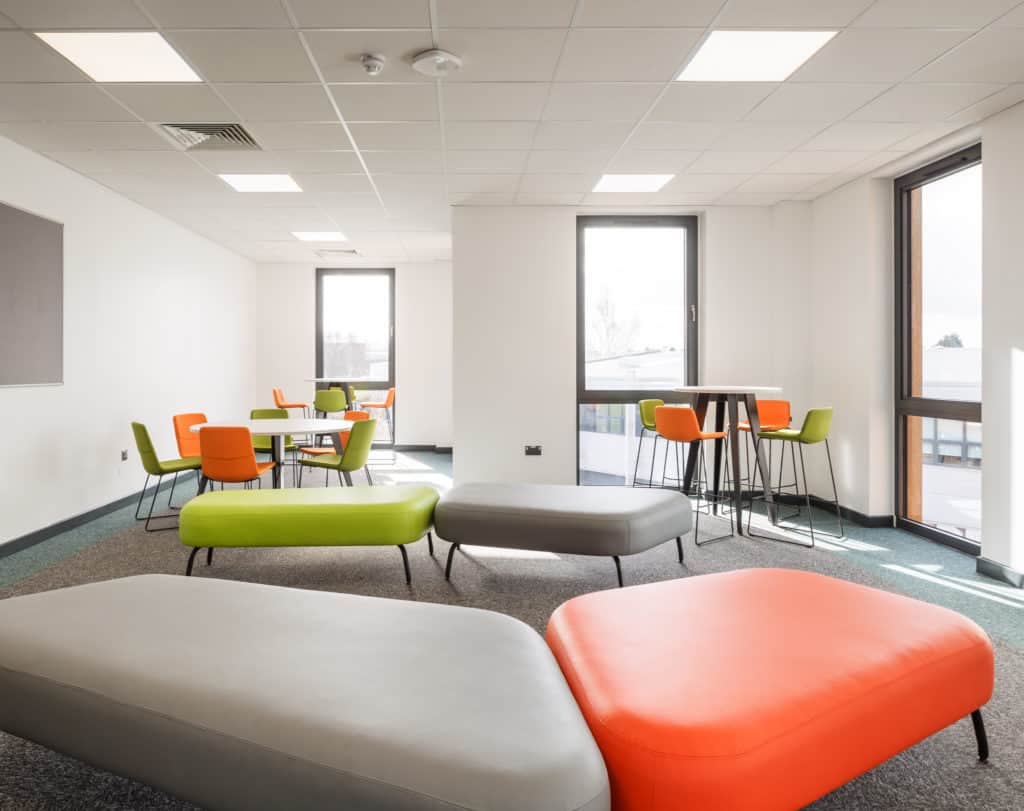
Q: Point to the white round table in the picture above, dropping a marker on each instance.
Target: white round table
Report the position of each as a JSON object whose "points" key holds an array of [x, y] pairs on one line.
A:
{"points": [[277, 430]]}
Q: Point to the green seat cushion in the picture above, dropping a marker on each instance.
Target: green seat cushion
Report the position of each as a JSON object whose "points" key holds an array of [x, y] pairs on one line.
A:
{"points": [[787, 434], [335, 516], [331, 460], [179, 465]]}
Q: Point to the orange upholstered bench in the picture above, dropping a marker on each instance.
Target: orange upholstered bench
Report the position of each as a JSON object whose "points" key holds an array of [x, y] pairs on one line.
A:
{"points": [[762, 688]]}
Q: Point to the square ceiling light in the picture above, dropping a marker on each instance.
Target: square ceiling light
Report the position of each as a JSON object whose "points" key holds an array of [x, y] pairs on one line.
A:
{"points": [[261, 183], [631, 183], [752, 56], [122, 56], [320, 236]]}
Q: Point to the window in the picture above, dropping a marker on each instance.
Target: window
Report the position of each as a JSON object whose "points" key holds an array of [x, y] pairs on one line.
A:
{"points": [[938, 314], [355, 329], [636, 333]]}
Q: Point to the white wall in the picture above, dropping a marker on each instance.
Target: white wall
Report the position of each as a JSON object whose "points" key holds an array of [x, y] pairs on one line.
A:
{"points": [[514, 280], [284, 347], [515, 330], [1003, 340], [156, 321], [851, 341]]}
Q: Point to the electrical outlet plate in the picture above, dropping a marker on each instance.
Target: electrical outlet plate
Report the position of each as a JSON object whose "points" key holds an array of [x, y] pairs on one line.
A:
{"points": [[533, 450], [124, 456]]}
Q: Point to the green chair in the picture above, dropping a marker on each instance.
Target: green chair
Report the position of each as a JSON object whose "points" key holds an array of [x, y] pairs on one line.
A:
{"points": [[264, 444], [155, 467], [330, 401], [647, 426], [814, 431], [357, 452]]}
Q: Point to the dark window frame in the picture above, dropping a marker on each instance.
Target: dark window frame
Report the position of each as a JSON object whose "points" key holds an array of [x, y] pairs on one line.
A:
{"points": [[584, 396], [321, 273], [906, 404]]}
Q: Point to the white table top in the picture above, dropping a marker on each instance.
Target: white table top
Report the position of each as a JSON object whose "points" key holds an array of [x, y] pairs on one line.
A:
{"points": [[282, 427], [340, 380], [729, 389]]}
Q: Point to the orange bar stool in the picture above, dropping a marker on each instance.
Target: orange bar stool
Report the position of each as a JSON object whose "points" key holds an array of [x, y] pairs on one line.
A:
{"points": [[228, 456], [187, 439], [680, 426], [326, 450], [280, 402], [773, 415]]}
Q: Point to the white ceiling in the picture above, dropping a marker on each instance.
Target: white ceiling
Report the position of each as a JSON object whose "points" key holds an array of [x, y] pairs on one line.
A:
{"points": [[552, 93]]}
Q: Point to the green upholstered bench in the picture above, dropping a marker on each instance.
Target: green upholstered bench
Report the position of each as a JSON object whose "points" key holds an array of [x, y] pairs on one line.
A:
{"points": [[342, 516]]}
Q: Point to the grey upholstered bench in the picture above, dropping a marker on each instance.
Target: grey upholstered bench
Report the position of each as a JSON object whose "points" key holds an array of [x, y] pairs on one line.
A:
{"points": [[565, 519], [242, 696]]}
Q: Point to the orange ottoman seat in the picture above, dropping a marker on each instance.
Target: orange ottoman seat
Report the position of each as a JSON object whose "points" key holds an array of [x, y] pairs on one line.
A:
{"points": [[762, 688]]}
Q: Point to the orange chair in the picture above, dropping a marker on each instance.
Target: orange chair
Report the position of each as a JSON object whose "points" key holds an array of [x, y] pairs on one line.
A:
{"points": [[351, 416], [388, 405], [680, 426], [227, 456], [280, 402], [188, 440]]}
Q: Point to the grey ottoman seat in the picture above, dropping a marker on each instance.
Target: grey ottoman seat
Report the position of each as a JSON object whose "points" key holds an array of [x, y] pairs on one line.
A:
{"points": [[243, 696], [561, 518]]}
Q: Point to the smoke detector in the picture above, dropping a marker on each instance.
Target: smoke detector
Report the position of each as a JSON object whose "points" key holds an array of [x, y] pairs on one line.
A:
{"points": [[436, 63], [373, 64]]}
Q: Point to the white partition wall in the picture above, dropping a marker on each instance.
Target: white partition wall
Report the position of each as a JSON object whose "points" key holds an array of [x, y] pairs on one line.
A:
{"points": [[156, 321]]}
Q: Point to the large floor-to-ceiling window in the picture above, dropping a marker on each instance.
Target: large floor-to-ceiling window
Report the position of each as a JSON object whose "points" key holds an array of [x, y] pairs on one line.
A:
{"points": [[938, 399], [636, 334], [355, 334]]}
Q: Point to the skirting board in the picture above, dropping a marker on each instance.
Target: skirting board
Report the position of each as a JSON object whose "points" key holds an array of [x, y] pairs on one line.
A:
{"points": [[1000, 572], [40, 535]]}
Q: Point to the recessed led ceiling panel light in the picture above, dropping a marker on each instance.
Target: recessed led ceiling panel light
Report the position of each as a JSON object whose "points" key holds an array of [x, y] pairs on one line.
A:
{"points": [[122, 56], [631, 183], [261, 183], [320, 236], [752, 56]]}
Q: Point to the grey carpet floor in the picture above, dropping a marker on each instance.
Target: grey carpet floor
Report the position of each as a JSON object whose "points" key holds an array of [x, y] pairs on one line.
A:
{"points": [[939, 773]]}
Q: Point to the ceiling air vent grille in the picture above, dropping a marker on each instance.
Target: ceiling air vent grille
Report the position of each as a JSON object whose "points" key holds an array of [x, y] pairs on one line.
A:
{"points": [[202, 137]]}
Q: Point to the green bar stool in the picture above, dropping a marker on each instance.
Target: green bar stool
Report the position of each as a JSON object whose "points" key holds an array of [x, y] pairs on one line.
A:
{"points": [[647, 426], [814, 431], [153, 466]]}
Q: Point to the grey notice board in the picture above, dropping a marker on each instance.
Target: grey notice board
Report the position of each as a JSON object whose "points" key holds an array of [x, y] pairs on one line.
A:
{"points": [[31, 299]]}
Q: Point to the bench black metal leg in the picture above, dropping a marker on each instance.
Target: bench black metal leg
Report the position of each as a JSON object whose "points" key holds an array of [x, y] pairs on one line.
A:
{"points": [[448, 565], [679, 547], [618, 569], [209, 555], [430, 543], [405, 563], [979, 733], [191, 560]]}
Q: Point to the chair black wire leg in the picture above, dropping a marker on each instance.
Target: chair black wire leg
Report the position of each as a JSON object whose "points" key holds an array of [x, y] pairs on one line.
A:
{"points": [[639, 447], [807, 494], [430, 543], [654, 456], [142, 495], [209, 555], [835, 490], [369, 478], [618, 569], [170, 498], [405, 563], [679, 547], [191, 560], [979, 733], [702, 462]]}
